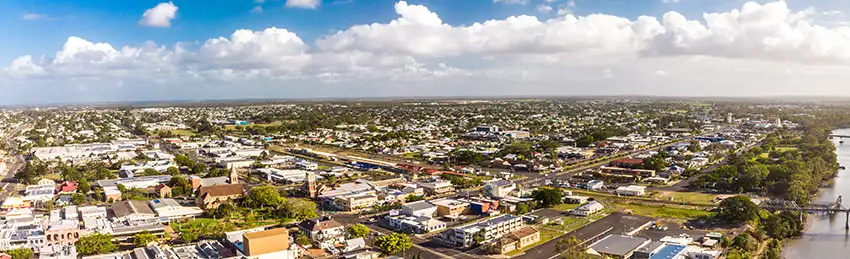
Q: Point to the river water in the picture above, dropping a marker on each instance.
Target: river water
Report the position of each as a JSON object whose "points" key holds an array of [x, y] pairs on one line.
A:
{"points": [[825, 236]]}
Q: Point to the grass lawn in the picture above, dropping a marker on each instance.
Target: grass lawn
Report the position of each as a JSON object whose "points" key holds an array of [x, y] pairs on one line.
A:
{"points": [[183, 132], [690, 197], [545, 236], [662, 211]]}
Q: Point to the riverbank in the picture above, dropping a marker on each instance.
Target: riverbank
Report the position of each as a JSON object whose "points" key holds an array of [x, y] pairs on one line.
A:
{"points": [[824, 236]]}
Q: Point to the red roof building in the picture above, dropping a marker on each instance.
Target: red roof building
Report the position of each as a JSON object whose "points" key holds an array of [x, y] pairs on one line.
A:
{"points": [[627, 162], [67, 187]]}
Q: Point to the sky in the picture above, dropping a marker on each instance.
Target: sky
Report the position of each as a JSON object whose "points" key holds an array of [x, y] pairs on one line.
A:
{"points": [[102, 51]]}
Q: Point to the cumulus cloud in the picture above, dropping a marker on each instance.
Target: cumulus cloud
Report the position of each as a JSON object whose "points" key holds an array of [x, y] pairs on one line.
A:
{"points": [[306, 4], [418, 50], [160, 15]]}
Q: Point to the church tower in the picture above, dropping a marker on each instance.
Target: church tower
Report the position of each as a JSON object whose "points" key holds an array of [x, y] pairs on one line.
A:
{"points": [[310, 185], [234, 176]]}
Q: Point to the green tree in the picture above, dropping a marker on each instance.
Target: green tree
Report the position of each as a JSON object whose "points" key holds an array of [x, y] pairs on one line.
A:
{"points": [[358, 230], [78, 199], [393, 243], [143, 239], [521, 208], [264, 196], [20, 253], [413, 197], [179, 185], [298, 209], [570, 249], [774, 250], [95, 243], [84, 186], [188, 237], [548, 197], [737, 209], [172, 171], [150, 171], [745, 242], [302, 239]]}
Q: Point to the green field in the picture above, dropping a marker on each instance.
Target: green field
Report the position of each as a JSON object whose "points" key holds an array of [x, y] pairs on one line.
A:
{"points": [[688, 197], [233, 127], [183, 132], [565, 207], [663, 211]]}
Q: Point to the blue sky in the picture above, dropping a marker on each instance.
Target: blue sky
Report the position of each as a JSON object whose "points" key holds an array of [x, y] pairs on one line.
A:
{"points": [[320, 46]]}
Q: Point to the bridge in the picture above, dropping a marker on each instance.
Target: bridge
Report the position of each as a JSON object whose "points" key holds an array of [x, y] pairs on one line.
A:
{"points": [[838, 136], [815, 207]]}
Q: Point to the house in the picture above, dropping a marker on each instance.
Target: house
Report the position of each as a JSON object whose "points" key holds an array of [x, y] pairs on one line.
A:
{"points": [[499, 188], [131, 210], [575, 199], [214, 196], [419, 209], [631, 190], [516, 239], [354, 244], [323, 230], [617, 246], [67, 187], [588, 209]]}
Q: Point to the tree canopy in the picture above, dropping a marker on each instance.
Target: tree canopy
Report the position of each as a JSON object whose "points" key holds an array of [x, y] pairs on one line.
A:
{"points": [[358, 230], [393, 243], [95, 243], [737, 209]]}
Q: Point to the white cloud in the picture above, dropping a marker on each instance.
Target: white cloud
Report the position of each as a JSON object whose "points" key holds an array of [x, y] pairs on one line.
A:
{"points": [[160, 15], [670, 1], [419, 54], [257, 10], [544, 8], [306, 4], [34, 16], [516, 2]]}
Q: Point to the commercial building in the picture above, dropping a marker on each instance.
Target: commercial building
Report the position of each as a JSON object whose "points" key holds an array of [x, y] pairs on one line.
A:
{"points": [[450, 207], [491, 229], [271, 244], [414, 224], [631, 190], [131, 211], [437, 187], [40, 193], [419, 209], [499, 188], [355, 202], [169, 209], [617, 246]]}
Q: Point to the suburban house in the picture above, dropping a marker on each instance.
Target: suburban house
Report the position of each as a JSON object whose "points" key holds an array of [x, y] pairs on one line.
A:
{"points": [[588, 209], [323, 230], [214, 196]]}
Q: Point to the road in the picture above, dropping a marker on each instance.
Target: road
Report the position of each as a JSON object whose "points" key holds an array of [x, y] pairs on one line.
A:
{"points": [[9, 182]]}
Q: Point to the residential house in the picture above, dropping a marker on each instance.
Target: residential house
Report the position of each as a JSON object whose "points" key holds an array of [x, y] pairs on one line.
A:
{"points": [[516, 239], [323, 230], [67, 187]]}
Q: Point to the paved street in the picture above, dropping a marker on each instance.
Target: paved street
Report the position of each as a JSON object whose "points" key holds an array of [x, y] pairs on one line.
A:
{"points": [[616, 223]]}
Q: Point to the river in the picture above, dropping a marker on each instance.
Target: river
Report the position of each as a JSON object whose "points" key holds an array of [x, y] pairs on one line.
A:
{"points": [[825, 236]]}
